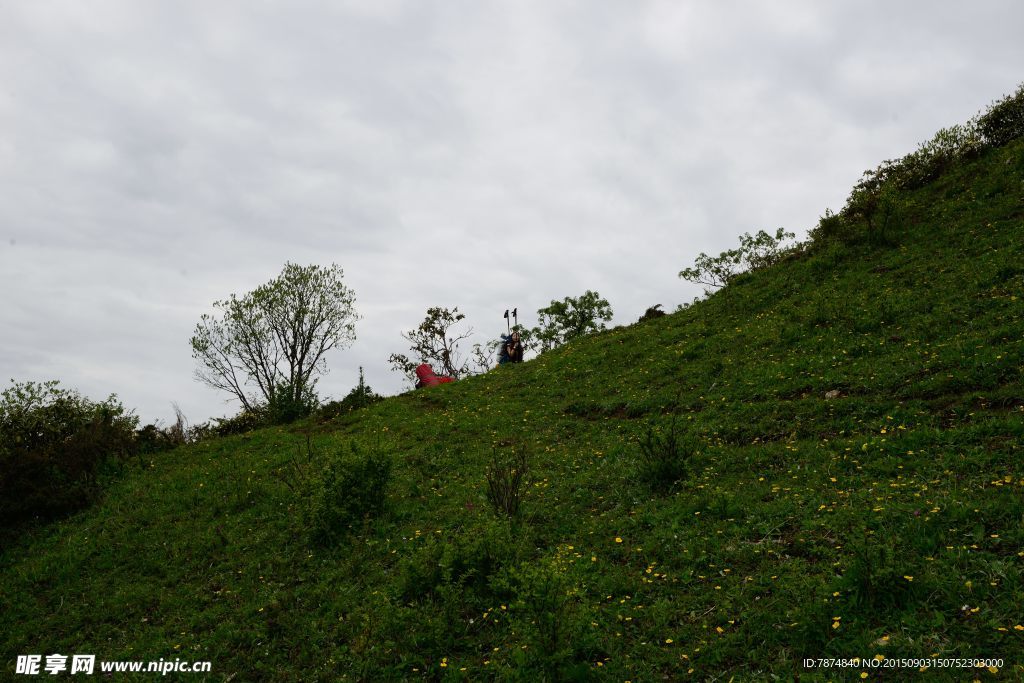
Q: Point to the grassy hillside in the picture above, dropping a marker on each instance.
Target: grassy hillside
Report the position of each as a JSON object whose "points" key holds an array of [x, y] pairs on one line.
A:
{"points": [[885, 521]]}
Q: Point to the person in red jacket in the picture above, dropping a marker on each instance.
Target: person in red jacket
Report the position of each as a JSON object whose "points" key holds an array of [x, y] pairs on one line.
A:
{"points": [[427, 378]]}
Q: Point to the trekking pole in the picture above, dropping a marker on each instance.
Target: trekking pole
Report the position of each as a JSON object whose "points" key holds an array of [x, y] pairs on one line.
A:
{"points": [[506, 322], [515, 317]]}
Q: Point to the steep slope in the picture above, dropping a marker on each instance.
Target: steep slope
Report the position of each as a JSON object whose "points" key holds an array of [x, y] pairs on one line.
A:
{"points": [[884, 521]]}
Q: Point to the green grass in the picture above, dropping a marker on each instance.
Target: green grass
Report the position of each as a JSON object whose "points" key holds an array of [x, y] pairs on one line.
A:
{"points": [[887, 521]]}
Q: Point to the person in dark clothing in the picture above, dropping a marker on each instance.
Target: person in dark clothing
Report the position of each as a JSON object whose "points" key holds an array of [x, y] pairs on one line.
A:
{"points": [[511, 349]]}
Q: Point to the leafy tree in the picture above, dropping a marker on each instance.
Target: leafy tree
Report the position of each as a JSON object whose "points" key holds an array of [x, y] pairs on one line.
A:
{"points": [[268, 346], [565, 320], [755, 251], [435, 342], [713, 271]]}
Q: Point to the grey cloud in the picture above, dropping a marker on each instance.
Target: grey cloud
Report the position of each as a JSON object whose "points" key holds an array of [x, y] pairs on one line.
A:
{"points": [[160, 156]]}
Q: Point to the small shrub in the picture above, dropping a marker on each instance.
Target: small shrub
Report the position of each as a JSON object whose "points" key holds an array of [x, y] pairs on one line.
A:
{"points": [[353, 489], [419, 574], [286, 405], [545, 607], [296, 472], [200, 431], [545, 599], [664, 458], [506, 480], [475, 557], [885, 221], [243, 422], [717, 506], [361, 396], [468, 561], [875, 578], [652, 313], [155, 439], [877, 204], [152, 439], [832, 227]]}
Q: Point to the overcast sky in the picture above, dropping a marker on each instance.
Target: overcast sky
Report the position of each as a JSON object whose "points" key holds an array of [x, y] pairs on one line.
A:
{"points": [[158, 156]]}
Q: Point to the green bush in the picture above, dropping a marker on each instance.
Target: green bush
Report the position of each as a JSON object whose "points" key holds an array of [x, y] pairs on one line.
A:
{"points": [[287, 405], [831, 227], [469, 561], [545, 609], [54, 445], [354, 488], [243, 422], [931, 159], [876, 578], [361, 396], [297, 472], [506, 480], [652, 313], [664, 457], [155, 439], [918, 168], [283, 408], [1004, 120]]}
